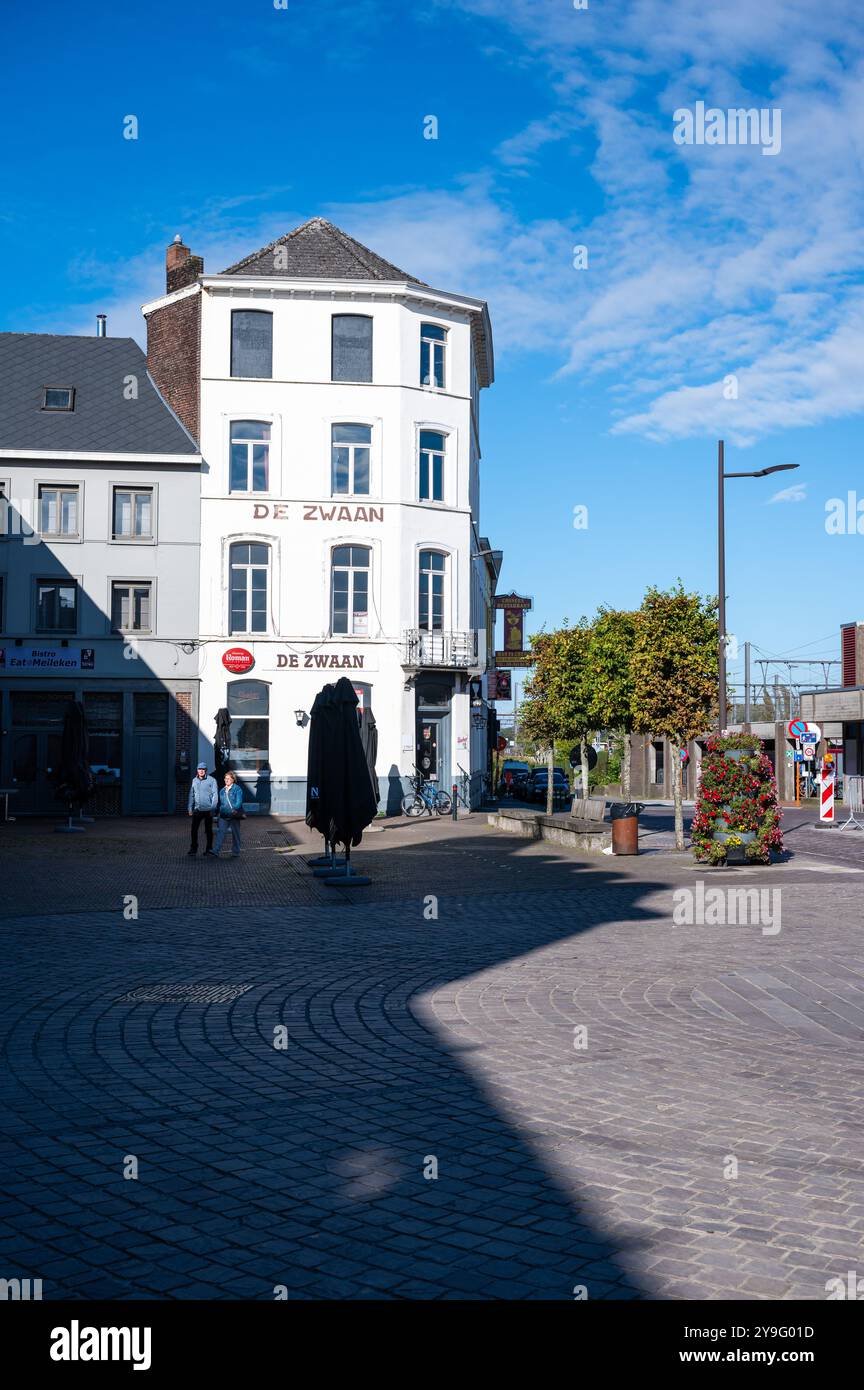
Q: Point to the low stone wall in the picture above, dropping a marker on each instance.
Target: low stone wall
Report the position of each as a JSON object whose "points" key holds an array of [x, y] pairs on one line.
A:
{"points": [[562, 830]]}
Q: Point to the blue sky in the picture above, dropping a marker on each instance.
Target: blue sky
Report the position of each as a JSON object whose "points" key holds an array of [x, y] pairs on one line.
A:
{"points": [[555, 129]]}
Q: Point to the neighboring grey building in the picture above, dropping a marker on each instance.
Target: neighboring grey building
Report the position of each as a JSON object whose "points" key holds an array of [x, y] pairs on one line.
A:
{"points": [[99, 565]]}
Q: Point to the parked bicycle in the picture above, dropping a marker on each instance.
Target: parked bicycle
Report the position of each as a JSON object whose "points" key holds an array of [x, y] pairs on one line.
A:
{"points": [[425, 798]]}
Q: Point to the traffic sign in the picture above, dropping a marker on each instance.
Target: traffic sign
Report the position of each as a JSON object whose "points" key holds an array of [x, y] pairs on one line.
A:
{"points": [[814, 733], [798, 728], [808, 751]]}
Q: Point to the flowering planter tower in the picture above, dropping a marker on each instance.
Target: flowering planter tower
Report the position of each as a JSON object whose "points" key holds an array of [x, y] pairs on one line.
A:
{"points": [[738, 814]]}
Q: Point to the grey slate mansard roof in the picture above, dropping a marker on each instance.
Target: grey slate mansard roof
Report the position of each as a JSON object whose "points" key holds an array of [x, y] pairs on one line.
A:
{"points": [[103, 420], [318, 250]]}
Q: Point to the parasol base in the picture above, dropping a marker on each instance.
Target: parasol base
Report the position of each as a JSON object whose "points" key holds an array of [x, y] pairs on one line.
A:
{"points": [[68, 830], [323, 861], [347, 881]]}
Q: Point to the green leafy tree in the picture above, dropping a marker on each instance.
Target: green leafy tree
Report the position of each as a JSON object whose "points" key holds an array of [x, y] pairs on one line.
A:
{"points": [[558, 703], [675, 659], [610, 656]]}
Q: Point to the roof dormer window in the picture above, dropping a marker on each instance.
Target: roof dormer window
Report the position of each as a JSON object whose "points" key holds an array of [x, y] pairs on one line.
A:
{"points": [[58, 398]]}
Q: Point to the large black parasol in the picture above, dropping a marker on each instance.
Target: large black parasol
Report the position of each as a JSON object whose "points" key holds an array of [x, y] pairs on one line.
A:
{"points": [[369, 740], [338, 772]]}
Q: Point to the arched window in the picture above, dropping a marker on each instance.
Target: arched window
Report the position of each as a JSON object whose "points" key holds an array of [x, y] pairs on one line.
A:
{"points": [[431, 591], [349, 606], [250, 456], [249, 707], [431, 482], [433, 355], [351, 446], [249, 586]]}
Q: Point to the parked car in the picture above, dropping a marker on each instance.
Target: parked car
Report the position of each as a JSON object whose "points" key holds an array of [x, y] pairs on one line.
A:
{"points": [[518, 770], [540, 782]]}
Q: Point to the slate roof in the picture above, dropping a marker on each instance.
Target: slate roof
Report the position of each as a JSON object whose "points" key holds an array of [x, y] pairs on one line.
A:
{"points": [[319, 251], [103, 421]]}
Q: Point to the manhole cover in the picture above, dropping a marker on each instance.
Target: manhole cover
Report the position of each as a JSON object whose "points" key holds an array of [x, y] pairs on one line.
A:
{"points": [[183, 994]]}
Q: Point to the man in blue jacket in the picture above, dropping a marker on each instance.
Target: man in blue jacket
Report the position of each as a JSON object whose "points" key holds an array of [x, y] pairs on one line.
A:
{"points": [[203, 801]]}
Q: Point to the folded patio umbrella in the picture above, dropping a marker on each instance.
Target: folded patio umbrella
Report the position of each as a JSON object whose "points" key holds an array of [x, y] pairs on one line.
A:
{"points": [[369, 740], [222, 743]]}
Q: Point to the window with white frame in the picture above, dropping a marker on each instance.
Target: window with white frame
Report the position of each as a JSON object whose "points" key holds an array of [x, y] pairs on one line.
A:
{"points": [[58, 510], [249, 586], [433, 355], [350, 451], [432, 450], [133, 514], [131, 606], [56, 605], [349, 608], [250, 456], [251, 343], [433, 567]]}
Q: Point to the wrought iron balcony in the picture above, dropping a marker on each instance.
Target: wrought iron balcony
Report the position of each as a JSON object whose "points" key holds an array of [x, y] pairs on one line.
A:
{"points": [[453, 650]]}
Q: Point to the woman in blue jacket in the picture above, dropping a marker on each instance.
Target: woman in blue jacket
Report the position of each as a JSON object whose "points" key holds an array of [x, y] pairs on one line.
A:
{"points": [[230, 813]]}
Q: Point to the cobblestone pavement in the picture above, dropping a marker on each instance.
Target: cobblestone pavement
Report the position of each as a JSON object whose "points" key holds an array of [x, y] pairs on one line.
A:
{"points": [[412, 1041]]}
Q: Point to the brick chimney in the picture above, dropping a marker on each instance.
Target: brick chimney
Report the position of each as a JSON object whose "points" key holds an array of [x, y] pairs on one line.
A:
{"points": [[181, 267], [174, 338]]}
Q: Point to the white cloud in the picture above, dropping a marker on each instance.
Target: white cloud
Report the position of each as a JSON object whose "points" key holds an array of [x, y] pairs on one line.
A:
{"points": [[797, 493]]}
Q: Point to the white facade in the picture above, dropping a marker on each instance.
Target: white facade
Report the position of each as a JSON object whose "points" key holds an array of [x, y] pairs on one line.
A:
{"points": [[410, 660]]}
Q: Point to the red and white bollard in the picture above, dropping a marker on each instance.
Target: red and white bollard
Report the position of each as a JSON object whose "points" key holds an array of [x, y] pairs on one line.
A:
{"points": [[826, 797]]}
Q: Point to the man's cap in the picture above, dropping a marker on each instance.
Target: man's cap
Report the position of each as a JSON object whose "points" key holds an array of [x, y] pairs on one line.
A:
{"points": [[199, 767]]}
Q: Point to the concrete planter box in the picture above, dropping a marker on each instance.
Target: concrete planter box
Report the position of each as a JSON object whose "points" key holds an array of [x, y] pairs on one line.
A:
{"points": [[593, 836]]}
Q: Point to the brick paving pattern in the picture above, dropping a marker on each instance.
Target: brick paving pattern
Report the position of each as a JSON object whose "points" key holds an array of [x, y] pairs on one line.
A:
{"points": [[411, 1041]]}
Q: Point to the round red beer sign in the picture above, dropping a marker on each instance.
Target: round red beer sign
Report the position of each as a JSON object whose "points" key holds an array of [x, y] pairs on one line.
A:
{"points": [[238, 660]]}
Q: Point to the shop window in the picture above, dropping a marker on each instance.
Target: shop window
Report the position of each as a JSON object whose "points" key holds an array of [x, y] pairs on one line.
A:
{"points": [[248, 703], [104, 715], [42, 709], [151, 710]]}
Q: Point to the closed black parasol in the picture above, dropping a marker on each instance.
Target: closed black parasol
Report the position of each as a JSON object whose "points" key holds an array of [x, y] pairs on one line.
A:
{"points": [[369, 740], [345, 803], [222, 743], [316, 815]]}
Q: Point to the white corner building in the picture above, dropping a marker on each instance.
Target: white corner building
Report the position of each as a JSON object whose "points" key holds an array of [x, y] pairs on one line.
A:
{"points": [[336, 403]]}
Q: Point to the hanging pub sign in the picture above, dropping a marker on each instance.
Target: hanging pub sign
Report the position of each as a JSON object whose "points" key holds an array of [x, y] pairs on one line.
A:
{"points": [[499, 685], [514, 608]]}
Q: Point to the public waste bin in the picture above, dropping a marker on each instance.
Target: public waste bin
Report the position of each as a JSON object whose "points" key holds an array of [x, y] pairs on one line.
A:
{"points": [[625, 826]]}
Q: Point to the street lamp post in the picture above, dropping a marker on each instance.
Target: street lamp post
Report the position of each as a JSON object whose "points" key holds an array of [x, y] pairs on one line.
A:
{"points": [[721, 562]]}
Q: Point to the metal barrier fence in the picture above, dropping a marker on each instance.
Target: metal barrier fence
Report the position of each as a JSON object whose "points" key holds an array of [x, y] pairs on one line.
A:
{"points": [[853, 801]]}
